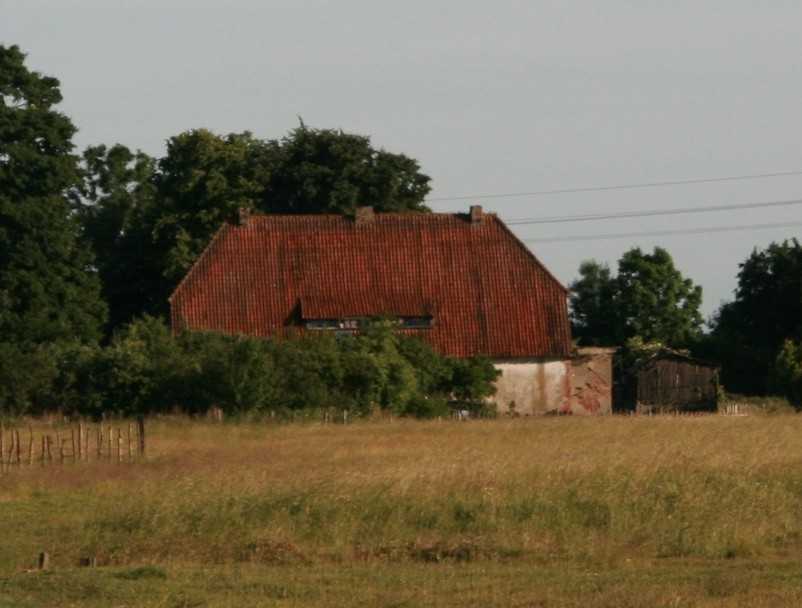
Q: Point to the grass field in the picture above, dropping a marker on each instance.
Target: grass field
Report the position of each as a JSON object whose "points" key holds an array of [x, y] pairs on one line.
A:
{"points": [[538, 512]]}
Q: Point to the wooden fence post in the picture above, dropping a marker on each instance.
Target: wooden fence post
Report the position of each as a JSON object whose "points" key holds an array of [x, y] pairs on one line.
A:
{"points": [[140, 421], [30, 445], [44, 450], [119, 445], [59, 447], [110, 439], [44, 560], [19, 450], [80, 441], [11, 448], [130, 445], [2, 447], [72, 442], [10, 458]]}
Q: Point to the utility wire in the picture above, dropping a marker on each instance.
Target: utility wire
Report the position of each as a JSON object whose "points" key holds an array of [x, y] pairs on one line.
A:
{"points": [[623, 235], [679, 182], [648, 213]]}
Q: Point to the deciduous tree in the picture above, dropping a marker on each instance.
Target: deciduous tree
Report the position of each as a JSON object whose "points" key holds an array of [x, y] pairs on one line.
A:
{"points": [[654, 301], [749, 332], [787, 377], [116, 192], [329, 171], [593, 309], [648, 298], [48, 289], [149, 221]]}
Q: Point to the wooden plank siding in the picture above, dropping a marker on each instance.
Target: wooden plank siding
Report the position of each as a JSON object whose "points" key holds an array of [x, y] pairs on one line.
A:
{"points": [[677, 384]]}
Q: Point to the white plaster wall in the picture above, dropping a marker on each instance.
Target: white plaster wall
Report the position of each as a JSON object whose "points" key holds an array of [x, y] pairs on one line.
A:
{"points": [[536, 387]]}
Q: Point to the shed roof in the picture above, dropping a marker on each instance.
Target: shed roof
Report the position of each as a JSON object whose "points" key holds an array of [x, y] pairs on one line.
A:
{"points": [[486, 292], [665, 354]]}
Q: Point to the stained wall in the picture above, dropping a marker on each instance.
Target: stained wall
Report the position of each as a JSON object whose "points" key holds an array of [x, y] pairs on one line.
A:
{"points": [[530, 387], [581, 385]]}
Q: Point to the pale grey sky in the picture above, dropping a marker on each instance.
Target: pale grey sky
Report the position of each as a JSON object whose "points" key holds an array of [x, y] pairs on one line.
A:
{"points": [[490, 97]]}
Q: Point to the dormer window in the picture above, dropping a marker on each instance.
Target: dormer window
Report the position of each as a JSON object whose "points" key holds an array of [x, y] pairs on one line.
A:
{"points": [[415, 322], [352, 324]]}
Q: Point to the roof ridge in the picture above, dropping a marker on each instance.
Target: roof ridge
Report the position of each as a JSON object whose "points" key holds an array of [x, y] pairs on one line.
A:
{"points": [[406, 214]]}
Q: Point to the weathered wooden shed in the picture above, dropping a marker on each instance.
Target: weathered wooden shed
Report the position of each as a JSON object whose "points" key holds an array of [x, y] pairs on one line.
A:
{"points": [[670, 380]]}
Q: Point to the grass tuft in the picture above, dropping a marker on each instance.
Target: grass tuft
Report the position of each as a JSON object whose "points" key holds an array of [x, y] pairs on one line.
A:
{"points": [[135, 574]]}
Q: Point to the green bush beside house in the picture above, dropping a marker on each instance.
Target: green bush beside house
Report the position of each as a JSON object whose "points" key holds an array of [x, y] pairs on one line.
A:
{"points": [[147, 370]]}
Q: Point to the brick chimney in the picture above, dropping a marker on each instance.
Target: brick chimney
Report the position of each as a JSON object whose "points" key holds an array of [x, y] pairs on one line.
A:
{"points": [[364, 215], [477, 215], [243, 215]]}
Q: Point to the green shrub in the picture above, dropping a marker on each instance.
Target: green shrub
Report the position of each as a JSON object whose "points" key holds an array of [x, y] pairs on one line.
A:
{"points": [[424, 406], [74, 388], [26, 374], [309, 371], [233, 373], [434, 373], [145, 369], [788, 372], [141, 371], [473, 380]]}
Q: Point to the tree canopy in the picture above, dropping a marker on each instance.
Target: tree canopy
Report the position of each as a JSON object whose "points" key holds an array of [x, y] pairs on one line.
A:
{"points": [[787, 374], [329, 171], [593, 305], [649, 298], [749, 332], [654, 300], [148, 220], [48, 289], [119, 184]]}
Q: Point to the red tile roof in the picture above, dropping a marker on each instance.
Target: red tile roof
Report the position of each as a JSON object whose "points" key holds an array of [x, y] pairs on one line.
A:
{"points": [[486, 292]]}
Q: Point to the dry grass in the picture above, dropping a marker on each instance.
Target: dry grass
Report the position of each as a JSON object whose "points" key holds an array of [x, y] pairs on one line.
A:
{"points": [[557, 511]]}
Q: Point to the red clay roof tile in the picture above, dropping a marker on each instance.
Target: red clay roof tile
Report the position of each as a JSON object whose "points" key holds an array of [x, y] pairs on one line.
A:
{"points": [[487, 293]]}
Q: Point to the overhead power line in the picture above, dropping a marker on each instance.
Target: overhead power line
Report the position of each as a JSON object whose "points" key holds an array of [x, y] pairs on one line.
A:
{"points": [[560, 219], [679, 182], [623, 235]]}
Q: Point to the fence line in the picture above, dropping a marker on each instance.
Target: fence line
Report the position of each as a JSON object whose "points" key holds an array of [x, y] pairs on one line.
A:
{"points": [[734, 409], [335, 416], [71, 445]]}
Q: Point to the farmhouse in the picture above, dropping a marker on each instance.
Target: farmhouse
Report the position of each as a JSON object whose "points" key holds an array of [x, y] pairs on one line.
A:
{"points": [[462, 282]]}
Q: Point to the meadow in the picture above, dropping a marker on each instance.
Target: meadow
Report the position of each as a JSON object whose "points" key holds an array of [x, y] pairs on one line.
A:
{"points": [[614, 511]]}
